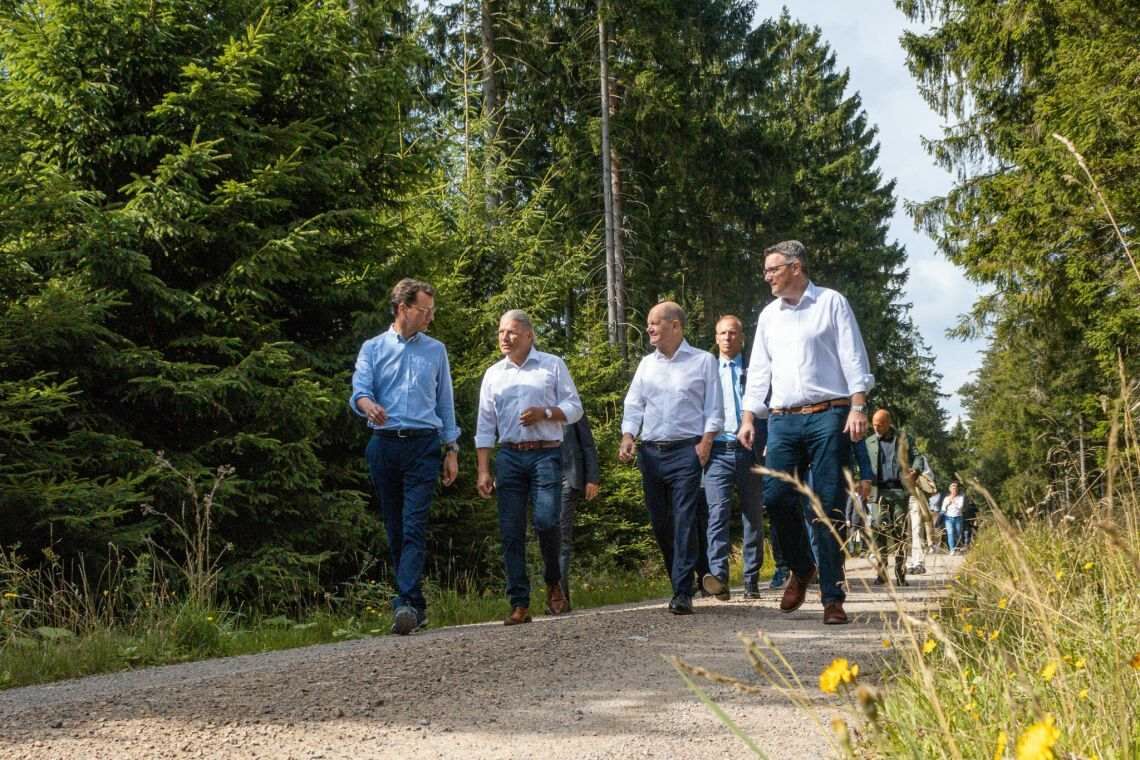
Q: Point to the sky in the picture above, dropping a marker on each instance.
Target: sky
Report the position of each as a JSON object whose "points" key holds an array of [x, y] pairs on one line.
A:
{"points": [[865, 38]]}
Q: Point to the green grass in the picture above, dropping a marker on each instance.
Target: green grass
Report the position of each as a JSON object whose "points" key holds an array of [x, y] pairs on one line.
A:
{"points": [[181, 633]]}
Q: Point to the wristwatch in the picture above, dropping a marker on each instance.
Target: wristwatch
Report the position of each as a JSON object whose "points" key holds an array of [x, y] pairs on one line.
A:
{"points": [[548, 413], [451, 448], [861, 408]]}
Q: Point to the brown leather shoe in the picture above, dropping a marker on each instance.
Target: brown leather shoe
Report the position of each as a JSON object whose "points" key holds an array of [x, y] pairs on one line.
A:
{"points": [[556, 603], [518, 616], [833, 614], [794, 594]]}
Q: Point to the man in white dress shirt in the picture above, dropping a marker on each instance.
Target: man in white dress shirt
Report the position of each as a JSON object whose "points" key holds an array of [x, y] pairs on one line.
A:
{"points": [[525, 399], [808, 351], [675, 403]]}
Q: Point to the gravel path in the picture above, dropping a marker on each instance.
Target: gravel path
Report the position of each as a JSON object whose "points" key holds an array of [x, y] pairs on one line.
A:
{"points": [[593, 684]]}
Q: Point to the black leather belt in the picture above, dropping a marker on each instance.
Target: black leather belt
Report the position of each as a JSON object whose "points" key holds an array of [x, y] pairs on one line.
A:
{"points": [[667, 445], [405, 432], [727, 445]]}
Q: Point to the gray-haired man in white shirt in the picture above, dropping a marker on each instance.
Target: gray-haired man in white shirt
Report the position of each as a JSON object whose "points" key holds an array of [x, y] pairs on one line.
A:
{"points": [[809, 352], [675, 403]]}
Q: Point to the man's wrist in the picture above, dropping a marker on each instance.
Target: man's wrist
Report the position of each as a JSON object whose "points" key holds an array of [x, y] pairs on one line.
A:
{"points": [[860, 408], [451, 448]]}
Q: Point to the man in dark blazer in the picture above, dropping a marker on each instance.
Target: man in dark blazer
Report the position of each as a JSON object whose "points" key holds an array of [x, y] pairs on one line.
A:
{"points": [[580, 478]]}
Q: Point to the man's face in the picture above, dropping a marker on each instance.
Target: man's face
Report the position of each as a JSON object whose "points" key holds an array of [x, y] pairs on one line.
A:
{"points": [[514, 337], [780, 273], [419, 315], [661, 331], [729, 338], [881, 423]]}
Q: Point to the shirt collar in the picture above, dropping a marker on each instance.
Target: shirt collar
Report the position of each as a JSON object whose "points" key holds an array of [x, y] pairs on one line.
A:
{"points": [[811, 293], [401, 338], [533, 354], [681, 349]]}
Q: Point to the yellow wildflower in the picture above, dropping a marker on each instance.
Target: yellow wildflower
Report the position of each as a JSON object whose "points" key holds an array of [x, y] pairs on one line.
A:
{"points": [[999, 747], [10, 595], [839, 672], [1049, 671], [1036, 742], [1003, 603], [972, 706], [968, 629], [994, 634], [1059, 574], [1079, 663], [928, 646], [1135, 661], [1088, 566], [1083, 694], [887, 644]]}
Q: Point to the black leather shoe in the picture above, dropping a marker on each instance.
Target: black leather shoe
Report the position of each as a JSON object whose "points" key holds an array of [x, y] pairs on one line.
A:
{"points": [[751, 591], [681, 604]]}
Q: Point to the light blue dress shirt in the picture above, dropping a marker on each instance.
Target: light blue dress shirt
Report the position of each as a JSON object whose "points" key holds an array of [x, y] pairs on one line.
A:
{"points": [[410, 378], [509, 389], [730, 371]]}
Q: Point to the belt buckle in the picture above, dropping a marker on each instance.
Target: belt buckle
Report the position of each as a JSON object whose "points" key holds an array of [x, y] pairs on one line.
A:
{"points": [[403, 433], [807, 409]]}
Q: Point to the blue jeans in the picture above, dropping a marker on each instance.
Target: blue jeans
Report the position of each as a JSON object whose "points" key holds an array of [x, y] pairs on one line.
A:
{"points": [[671, 479], [534, 476], [795, 443], [404, 473], [953, 531], [731, 466]]}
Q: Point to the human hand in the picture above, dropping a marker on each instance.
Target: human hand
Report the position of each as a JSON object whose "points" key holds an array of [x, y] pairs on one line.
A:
{"points": [[450, 467], [531, 415], [485, 484], [746, 434], [856, 426], [627, 449], [591, 491]]}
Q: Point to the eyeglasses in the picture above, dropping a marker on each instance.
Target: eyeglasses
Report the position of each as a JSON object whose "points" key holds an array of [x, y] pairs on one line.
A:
{"points": [[428, 310], [777, 268]]}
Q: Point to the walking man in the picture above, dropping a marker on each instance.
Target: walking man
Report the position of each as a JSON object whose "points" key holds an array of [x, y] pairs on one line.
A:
{"points": [[674, 402], [581, 477], [730, 466], [809, 353], [526, 398], [894, 469], [402, 386]]}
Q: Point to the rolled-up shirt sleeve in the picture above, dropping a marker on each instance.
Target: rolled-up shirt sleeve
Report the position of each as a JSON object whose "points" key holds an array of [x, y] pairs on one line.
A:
{"points": [[445, 402], [486, 421], [634, 408], [714, 397], [759, 375], [362, 378], [567, 393], [852, 352]]}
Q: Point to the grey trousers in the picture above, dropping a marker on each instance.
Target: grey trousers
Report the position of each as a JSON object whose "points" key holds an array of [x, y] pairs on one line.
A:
{"points": [[570, 498]]}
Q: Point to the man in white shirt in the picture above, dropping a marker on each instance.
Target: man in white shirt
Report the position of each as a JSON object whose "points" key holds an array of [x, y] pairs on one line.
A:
{"points": [[675, 403], [808, 351], [729, 467], [525, 399]]}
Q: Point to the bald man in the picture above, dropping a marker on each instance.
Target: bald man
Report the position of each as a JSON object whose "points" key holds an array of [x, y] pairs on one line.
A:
{"points": [[895, 466], [675, 404]]}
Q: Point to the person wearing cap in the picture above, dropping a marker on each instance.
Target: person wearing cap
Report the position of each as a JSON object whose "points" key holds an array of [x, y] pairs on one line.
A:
{"points": [[674, 402], [808, 352], [402, 386], [524, 401]]}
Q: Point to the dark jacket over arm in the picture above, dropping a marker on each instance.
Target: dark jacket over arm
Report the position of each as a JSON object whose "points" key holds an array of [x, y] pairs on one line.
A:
{"points": [[580, 455]]}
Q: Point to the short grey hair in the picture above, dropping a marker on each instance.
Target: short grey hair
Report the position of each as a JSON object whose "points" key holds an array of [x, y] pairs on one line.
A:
{"points": [[520, 316], [792, 250]]}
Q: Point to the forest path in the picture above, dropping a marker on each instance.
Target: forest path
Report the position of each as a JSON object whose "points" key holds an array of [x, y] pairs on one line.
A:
{"points": [[593, 684]]}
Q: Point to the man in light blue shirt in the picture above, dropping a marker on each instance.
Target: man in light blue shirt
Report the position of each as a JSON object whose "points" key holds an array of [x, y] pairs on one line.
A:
{"points": [[675, 403], [525, 400], [730, 465], [402, 386]]}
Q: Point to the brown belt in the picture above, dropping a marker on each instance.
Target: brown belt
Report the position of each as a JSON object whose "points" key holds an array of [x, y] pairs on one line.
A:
{"points": [[530, 445], [822, 406]]}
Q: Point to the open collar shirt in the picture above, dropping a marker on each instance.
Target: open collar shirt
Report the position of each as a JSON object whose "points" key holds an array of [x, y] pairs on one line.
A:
{"points": [[509, 389], [676, 397], [410, 378], [807, 353]]}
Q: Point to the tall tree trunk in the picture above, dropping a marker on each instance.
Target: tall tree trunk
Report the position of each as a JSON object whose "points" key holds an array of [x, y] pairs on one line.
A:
{"points": [[607, 185], [491, 113], [619, 248]]}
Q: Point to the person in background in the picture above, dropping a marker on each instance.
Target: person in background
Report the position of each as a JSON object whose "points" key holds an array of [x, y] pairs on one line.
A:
{"points": [[953, 506], [581, 478]]}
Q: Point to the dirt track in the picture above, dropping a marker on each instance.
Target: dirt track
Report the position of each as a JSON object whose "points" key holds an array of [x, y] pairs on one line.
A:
{"points": [[593, 684]]}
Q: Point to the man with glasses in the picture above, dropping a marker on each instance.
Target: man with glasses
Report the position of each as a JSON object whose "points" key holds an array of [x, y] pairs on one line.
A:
{"points": [[809, 353], [402, 386], [675, 403], [525, 400]]}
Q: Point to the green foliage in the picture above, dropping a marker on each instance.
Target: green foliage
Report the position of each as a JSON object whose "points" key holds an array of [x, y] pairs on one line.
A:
{"points": [[1064, 302]]}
